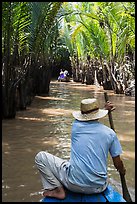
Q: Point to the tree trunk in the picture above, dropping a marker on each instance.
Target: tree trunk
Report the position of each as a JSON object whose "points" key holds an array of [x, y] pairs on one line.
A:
{"points": [[9, 103], [22, 95]]}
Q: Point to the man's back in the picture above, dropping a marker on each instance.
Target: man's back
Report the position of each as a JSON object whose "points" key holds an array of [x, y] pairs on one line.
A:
{"points": [[91, 142]]}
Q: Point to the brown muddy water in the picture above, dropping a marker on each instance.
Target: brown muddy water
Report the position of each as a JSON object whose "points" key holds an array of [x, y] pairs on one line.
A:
{"points": [[46, 125]]}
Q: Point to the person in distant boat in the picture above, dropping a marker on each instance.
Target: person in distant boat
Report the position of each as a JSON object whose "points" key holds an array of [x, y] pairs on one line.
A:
{"points": [[66, 73], [61, 75], [86, 170]]}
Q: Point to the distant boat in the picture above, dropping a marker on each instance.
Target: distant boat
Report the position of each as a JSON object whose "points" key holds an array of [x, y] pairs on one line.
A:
{"points": [[65, 79], [109, 195]]}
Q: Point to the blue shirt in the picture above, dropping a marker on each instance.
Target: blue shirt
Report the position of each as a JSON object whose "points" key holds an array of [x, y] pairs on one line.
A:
{"points": [[91, 141]]}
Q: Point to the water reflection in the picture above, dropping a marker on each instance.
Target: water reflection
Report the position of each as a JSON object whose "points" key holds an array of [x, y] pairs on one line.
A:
{"points": [[46, 125]]}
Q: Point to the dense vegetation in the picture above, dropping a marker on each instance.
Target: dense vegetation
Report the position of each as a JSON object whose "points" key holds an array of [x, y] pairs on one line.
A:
{"points": [[95, 41]]}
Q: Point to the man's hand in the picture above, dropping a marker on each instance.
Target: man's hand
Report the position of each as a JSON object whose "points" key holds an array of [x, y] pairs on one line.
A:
{"points": [[109, 106]]}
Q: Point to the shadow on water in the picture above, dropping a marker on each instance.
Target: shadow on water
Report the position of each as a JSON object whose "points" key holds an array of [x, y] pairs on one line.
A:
{"points": [[46, 125]]}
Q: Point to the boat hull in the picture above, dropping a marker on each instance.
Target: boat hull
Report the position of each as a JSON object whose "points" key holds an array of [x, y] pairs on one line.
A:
{"points": [[109, 195], [65, 79]]}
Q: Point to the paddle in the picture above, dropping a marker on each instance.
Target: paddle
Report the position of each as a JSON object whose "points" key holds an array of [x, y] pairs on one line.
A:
{"points": [[125, 191]]}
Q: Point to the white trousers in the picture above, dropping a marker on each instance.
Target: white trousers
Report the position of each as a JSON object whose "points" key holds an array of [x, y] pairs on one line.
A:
{"points": [[53, 171]]}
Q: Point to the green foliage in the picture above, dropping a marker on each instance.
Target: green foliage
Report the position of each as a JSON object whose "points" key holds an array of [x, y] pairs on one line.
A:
{"points": [[32, 26], [102, 28], [42, 28]]}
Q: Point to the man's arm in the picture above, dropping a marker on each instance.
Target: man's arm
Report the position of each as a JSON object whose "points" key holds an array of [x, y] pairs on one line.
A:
{"points": [[118, 163]]}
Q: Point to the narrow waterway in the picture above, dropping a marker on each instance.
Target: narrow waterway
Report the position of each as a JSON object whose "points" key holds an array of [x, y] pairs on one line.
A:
{"points": [[46, 125]]}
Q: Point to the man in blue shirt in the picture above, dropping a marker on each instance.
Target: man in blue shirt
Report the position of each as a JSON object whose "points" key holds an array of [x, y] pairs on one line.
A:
{"points": [[86, 170]]}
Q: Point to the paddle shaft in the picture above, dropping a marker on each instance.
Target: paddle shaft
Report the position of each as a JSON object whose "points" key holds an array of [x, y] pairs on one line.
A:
{"points": [[109, 113], [125, 191]]}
